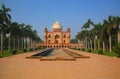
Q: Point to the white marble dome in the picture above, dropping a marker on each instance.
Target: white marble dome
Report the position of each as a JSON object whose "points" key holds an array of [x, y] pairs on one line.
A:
{"points": [[57, 25]]}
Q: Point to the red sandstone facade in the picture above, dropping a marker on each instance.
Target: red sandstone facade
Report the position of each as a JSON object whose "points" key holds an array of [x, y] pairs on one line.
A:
{"points": [[57, 38]]}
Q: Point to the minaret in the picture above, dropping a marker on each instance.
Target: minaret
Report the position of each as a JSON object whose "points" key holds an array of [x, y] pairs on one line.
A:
{"points": [[45, 35], [68, 37]]}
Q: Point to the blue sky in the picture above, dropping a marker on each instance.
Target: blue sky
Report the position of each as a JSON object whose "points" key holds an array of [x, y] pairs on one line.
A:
{"points": [[70, 13]]}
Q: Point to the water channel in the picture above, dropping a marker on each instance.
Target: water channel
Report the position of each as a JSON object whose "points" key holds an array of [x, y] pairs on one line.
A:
{"points": [[57, 54]]}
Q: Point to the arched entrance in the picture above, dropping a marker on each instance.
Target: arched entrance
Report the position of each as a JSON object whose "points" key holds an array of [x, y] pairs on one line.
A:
{"points": [[57, 39]]}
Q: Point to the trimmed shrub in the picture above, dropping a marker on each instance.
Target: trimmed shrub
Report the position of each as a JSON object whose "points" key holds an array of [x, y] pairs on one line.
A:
{"points": [[19, 51], [5, 53], [36, 48], [112, 54], [117, 49], [100, 52], [14, 52], [24, 50], [39, 47], [83, 49], [78, 48], [89, 50], [0, 56], [31, 49]]}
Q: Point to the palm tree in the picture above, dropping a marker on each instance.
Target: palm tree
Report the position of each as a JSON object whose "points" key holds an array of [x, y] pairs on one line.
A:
{"points": [[97, 31], [91, 35], [87, 26], [104, 35], [110, 25], [82, 37], [4, 21], [28, 31], [15, 31], [117, 27], [21, 34]]}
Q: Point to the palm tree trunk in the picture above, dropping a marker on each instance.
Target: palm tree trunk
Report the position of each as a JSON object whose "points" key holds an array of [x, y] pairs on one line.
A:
{"points": [[26, 43], [94, 44], [22, 42], [14, 43], [110, 43], [118, 36], [103, 46], [98, 44], [30, 42], [9, 42], [86, 42], [1, 41], [91, 44], [18, 42], [82, 43]]}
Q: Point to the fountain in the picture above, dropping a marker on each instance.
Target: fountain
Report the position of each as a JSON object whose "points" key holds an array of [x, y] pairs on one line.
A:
{"points": [[57, 54]]}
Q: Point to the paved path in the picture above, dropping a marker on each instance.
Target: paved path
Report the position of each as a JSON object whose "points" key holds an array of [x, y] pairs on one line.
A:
{"points": [[95, 67]]}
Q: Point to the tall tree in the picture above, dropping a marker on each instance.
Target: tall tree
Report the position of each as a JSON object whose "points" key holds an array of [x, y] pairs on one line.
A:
{"points": [[117, 27], [5, 19], [15, 31], [86, 26], [104, 35], [28, 30], [110, 25], [97, 32]]}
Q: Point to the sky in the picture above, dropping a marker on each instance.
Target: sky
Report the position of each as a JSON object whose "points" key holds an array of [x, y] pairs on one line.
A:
{"points": [[70, 13]]}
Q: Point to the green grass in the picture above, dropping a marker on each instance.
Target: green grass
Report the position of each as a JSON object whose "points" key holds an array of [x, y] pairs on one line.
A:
{"points": [[10, 53], [106, 53], [5, 54], [15, 51], [112, 54], [19, 52]]}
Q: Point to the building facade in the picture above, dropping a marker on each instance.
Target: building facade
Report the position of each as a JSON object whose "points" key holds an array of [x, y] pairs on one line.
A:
{"points": [[57, 38]]}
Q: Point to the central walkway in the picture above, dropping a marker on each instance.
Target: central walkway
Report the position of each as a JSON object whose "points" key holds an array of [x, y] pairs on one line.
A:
{"points": [[95, 67]]}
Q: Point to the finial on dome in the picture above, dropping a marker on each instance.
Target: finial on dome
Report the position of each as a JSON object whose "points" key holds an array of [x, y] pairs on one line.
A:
{"points": [[57, 21]]}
